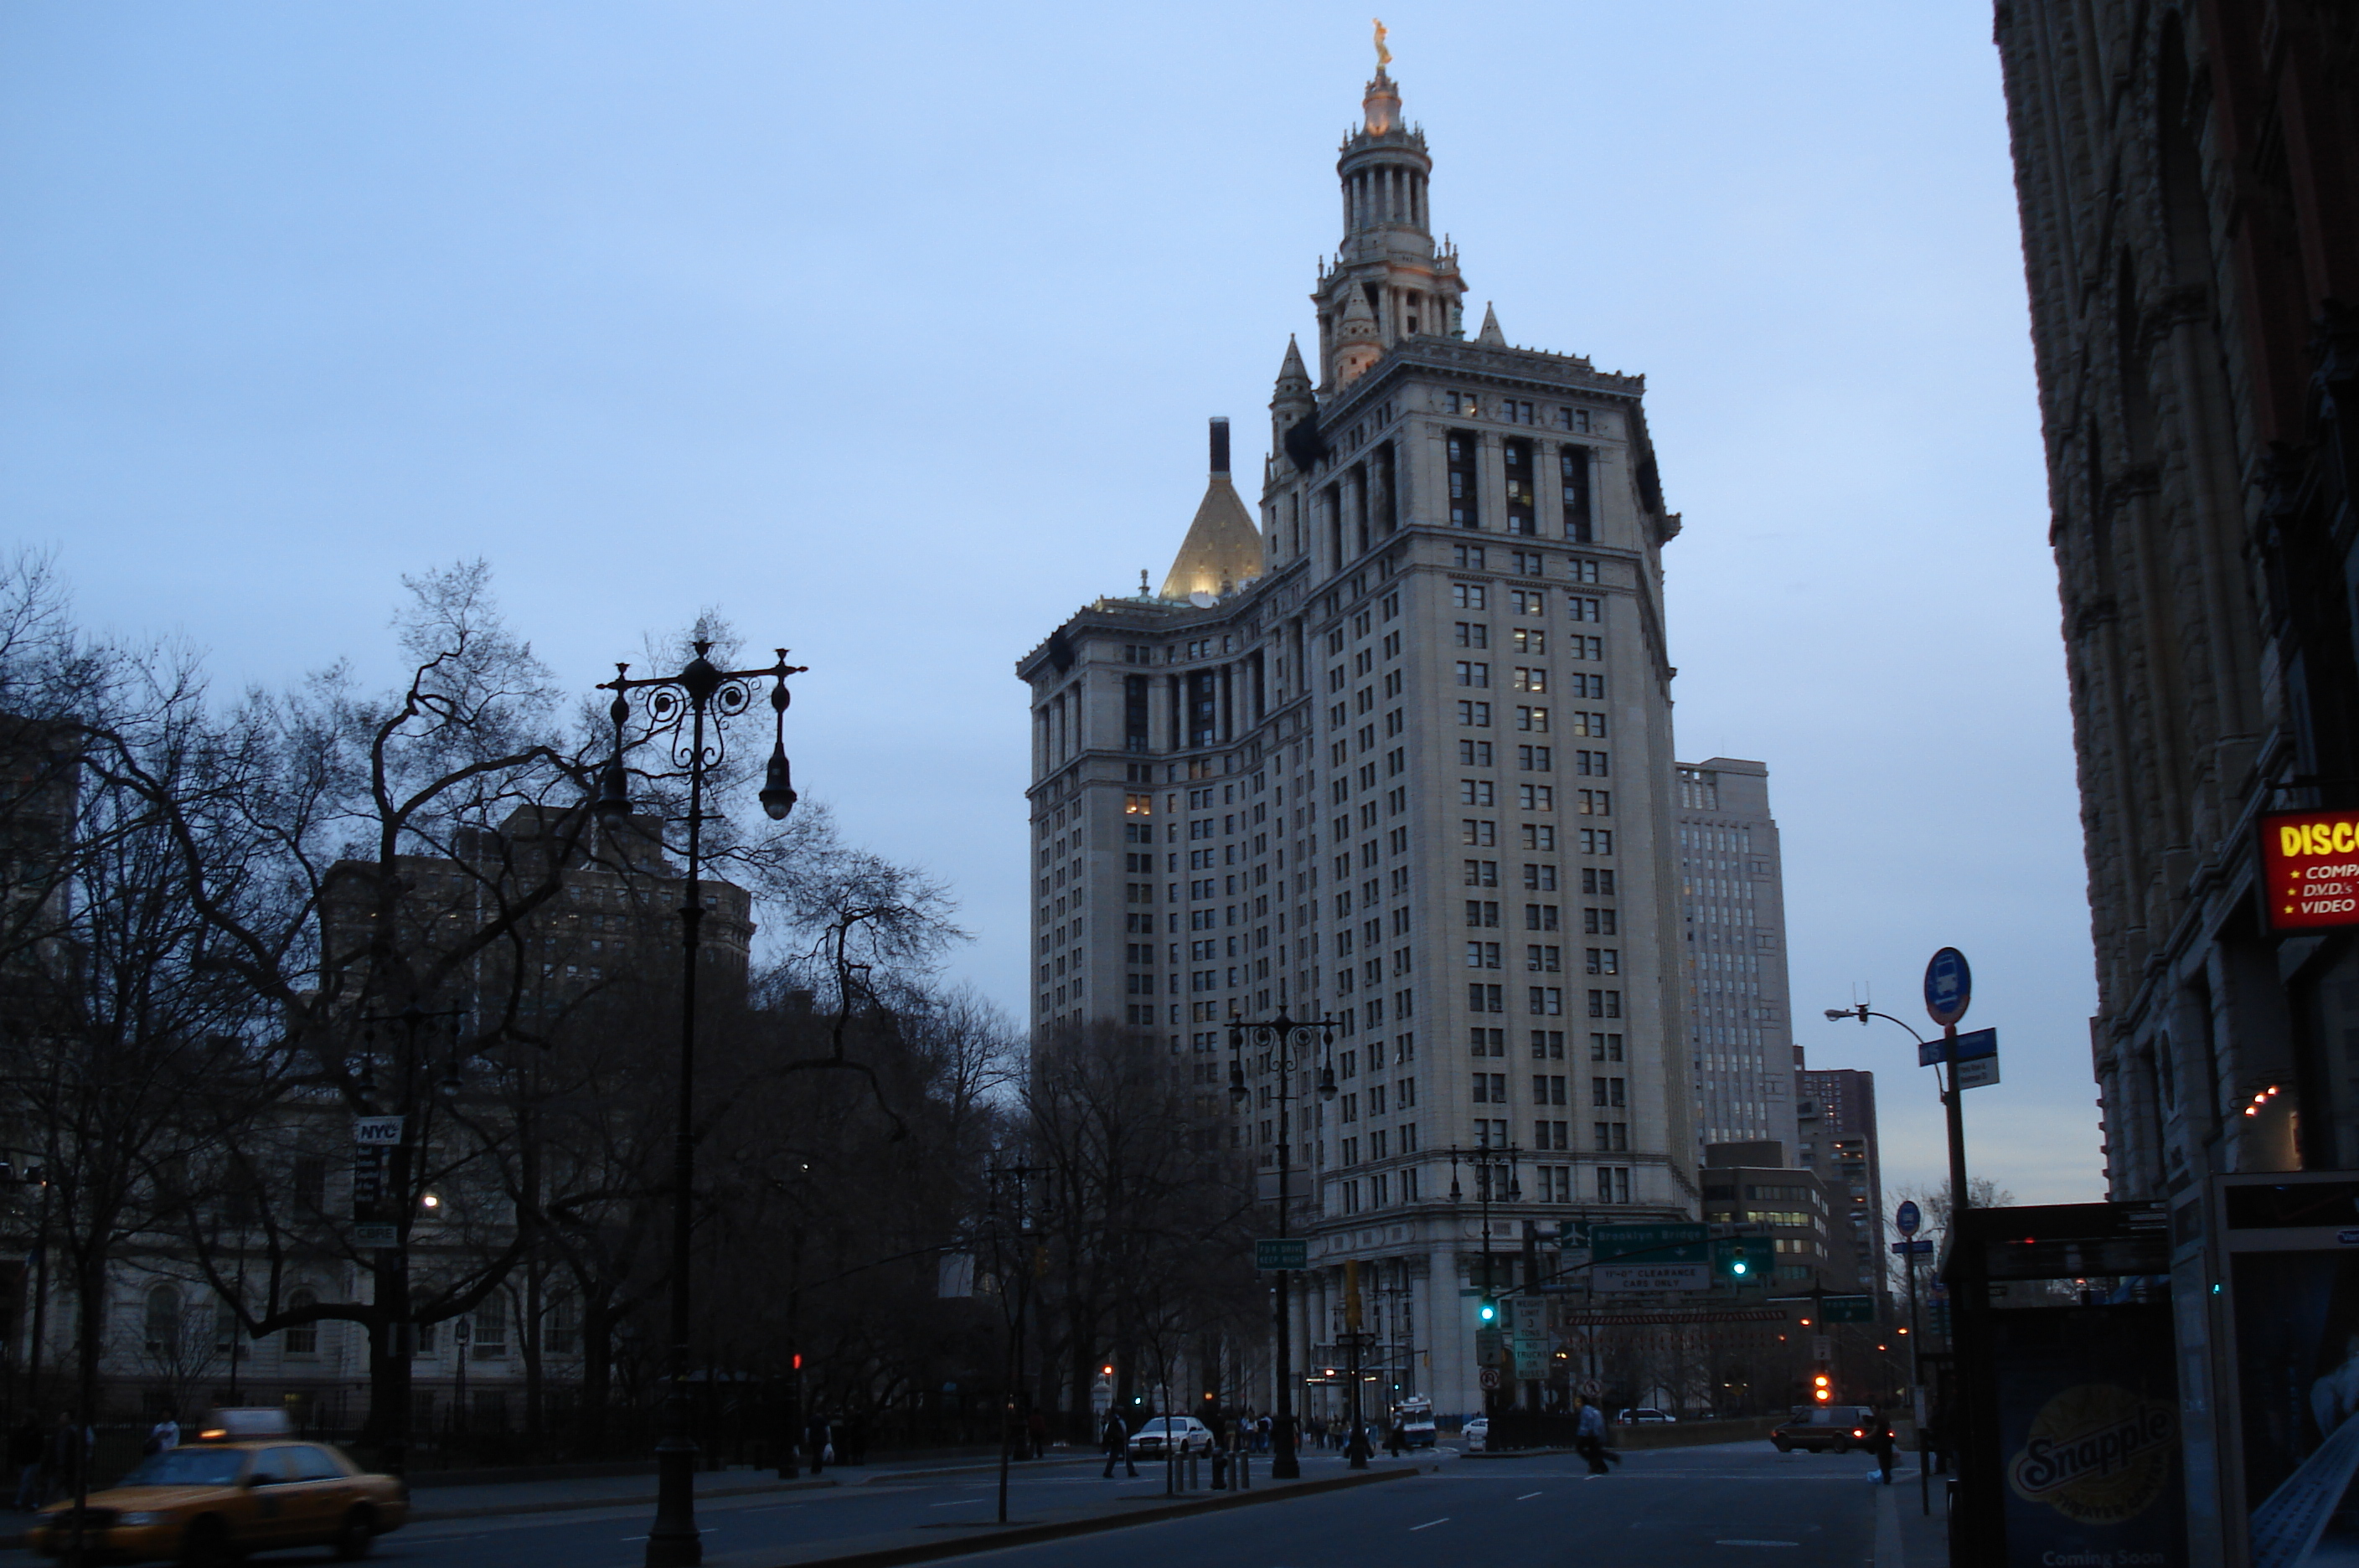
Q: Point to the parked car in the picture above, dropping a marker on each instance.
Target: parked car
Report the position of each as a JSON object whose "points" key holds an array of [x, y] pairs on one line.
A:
{"points": [[208, 1503], [1836, 1428], [1191, 1435], [1477, 1434], [1643, 1415]]}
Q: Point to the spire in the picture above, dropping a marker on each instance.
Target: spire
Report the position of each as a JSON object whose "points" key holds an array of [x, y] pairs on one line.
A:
{"points": [[1222, 548], [1491, 333], [1380, 109], [1293, 377], [1358, 343]]}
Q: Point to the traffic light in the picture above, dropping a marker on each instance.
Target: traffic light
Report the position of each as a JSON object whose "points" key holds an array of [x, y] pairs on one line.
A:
{"points": [[1486, 1312], [1821, 1387], [1744, 1260]]}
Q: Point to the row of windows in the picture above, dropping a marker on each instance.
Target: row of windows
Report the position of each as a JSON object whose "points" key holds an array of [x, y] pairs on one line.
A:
{"points": [[1526, 601], [1547, 1045], [1532, 759], [1543, 917], [1542, 959], [1596, 880], [1551, 1089], [1477, 715], [1541, 1001]]}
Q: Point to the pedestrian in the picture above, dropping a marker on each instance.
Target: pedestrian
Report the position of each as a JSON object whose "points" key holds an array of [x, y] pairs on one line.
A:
{"points": [[1261, 1435], [1884, 1443], [164, 1434], [67, 1451], [1397, 1438], [1117, 1440], [1589, 1439], [25, 1446], [822, 1450]]}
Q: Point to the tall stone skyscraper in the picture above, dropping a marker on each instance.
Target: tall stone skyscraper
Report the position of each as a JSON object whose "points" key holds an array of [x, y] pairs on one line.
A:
{"points": [[1732, 906], [1396, 752]]}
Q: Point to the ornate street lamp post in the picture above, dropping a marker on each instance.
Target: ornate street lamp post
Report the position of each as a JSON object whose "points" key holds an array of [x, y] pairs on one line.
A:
{"points": [[685, 711], [1283, 1038]]}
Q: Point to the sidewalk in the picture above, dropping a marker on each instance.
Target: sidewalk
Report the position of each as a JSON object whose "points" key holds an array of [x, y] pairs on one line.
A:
{"points": [[1906, 1536], [487, 1499]]}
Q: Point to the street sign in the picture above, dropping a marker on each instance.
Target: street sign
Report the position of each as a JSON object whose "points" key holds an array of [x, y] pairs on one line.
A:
{"points": [[1281, 1252], [1822, 1347], [377, 1132], [1637, 1279], [1531, 1360], [1949, 986], [2309, 869], [1958, 1047], [376, 1236], [1908, 1217], [1660, 1243], [1977, 1072], [1849, 1309], [1489, 1377], [1488, 1351], [1912, 1248]]}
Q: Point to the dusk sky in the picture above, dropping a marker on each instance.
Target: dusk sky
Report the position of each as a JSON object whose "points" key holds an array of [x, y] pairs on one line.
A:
{"points": [[890, 331]]}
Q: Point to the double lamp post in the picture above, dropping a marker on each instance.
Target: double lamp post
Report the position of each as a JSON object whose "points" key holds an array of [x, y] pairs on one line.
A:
{"points": [[685, 712]]}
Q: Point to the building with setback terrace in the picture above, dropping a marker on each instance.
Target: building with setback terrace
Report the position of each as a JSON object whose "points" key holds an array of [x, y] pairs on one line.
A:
{"points": [[1397, 751]]}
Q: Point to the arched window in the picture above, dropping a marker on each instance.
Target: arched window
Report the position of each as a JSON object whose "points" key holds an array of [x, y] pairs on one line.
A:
{"points": [[164, 1322], [302, 1339]]}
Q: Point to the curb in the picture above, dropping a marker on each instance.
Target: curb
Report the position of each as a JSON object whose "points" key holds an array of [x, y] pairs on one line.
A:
{"points": [[1032, 1535]]}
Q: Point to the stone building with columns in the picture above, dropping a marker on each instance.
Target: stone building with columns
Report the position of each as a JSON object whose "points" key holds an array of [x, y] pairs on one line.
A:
{"points": [[1395, 750]]}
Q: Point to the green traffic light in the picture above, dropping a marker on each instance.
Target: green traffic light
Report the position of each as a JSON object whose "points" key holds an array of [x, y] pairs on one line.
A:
{"points": [[1737, 1266], [1487, 1310]]}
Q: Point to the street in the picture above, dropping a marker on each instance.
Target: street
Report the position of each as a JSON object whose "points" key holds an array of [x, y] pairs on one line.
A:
{"points": [[1668, 1506]]}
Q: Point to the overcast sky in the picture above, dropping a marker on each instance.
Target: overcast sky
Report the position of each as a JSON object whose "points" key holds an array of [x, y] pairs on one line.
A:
{"points": [[890, 333]]}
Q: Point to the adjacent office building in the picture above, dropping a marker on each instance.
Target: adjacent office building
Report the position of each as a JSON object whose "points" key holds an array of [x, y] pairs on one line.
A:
{"points": [[1835, 1113], [1394, 749], [1732, 953]]}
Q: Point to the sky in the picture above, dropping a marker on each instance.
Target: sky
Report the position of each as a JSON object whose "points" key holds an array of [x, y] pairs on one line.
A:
{"points": [[889, 333]]}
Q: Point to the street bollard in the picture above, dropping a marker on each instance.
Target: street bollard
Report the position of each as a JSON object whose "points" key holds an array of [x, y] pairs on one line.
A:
{"points": [[1220, 1471], [1195, 1478]]}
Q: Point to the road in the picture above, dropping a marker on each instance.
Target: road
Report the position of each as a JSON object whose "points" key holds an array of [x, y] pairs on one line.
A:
{"points": [[1665, 1508], [1725, 1506]]}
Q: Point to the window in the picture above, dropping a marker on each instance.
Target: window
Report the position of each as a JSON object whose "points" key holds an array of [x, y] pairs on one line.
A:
{"points": [[1479, 912], [1475, 792], [1539, 878], [1476, 716], [1538, 835], [1541, 960], [1603, 961], [1539, 917], [1537, 719], [1572, 487], [1605, 1004], [1606, 1048], [164, 1325], [1537, 797], [1611, 1137], [1584, 609], [1472, 597], [1486, 1042], [1612, 1184], [1530, 563], [1466, 557], [1481, 998], [1516, 460], [1529, 678], [1597, 880], [1598, 922], [1587, 648], [1479, 832], [1482, 874], [1490, 1088], [1473, 672], [1481, 955], [1582, 569], [302, 1339], [1596, 841], [1589, 763], [1607, 1092], [1594, 802], [1460, 451], [1547, 1089], [1528, 639], [1473, 754], [1470, 634], [1546, 1001], [312, 1185], [1547, 1045], [491, 1325]]}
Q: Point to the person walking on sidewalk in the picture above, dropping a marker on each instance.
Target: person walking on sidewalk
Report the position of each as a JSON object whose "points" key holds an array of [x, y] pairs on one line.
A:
{"points": [[25, 1447], [1589, 1436], [1116, 1438]]}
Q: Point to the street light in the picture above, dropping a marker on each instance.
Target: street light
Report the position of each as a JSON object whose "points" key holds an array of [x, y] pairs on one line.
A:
{"points": [[1284, 1037], [686, 710]]}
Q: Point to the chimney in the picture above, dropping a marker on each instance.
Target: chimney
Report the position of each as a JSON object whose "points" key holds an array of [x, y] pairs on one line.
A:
{"points": [[1221, 448]]}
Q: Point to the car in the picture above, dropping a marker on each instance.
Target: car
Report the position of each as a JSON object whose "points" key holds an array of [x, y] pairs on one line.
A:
{"points": [[1476, 1433], [1642, 1416], [1191, 1436], [208, 1503], [1836, 1428]]}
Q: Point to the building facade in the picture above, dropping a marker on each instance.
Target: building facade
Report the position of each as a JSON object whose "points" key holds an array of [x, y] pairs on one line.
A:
{"points": [[2187, 171], [1732, 920], [1834, 1114], [1757, 1183], [1394, 751]]}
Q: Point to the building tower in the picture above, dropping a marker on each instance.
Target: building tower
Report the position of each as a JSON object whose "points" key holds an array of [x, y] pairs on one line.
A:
{"points": [[1835, 1110], [1404, 762], [1732, 907]]}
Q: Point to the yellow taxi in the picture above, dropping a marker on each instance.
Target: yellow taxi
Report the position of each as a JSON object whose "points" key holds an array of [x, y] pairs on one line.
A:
{"points": [[207, 1503]]}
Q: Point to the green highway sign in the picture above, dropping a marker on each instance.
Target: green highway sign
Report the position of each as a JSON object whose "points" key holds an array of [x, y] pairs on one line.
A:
{"points": [[1659, 1243], [1281, 1252], [1849, 1309]]}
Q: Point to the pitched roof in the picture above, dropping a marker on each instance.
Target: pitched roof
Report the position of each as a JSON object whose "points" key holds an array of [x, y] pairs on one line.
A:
{"points": [[1222, 548]]}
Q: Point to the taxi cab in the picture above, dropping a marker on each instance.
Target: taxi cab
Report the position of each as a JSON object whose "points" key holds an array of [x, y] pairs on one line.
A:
{"points": [[248, 1484]]}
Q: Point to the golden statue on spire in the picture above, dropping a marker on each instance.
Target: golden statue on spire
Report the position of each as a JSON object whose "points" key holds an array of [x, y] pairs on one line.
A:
{"points": [[1384, 55]]}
